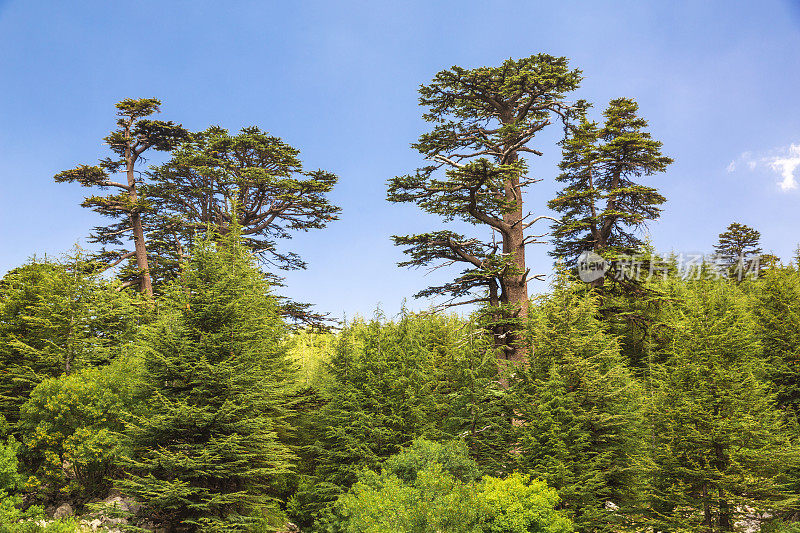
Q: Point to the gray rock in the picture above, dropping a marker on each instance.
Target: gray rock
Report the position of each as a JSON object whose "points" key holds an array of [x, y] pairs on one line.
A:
{"points": [[63, 510]]}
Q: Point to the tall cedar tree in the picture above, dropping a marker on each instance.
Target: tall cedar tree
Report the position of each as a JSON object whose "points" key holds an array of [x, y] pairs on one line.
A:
{"points": [[719, 440], [484, 120], [134, 135], [580, 410], [208, 448], [252, 177], [602, 205], [738, 248], [56, 318]]}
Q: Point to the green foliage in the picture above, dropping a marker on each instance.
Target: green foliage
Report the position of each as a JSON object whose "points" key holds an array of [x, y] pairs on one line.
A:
{"points": [[518, 505], [12, 518], [387, 383], [776, 305], [431, 487], [57, 318], [452, 456], [378, 400], [580, 412], [603, 203], [719, 441], [9, 477], [737, 249], [312, 351], [433, 501], [207, 445], [779, 526], [72, 442]]}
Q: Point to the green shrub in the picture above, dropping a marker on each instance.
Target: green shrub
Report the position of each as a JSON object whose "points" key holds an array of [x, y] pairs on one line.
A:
{"points": [[70, 427], [779, 526], [435, 501], [518, 505], [431, 487]]}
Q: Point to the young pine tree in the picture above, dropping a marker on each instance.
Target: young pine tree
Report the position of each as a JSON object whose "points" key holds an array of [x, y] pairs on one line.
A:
{"points": [[776, 305], [378, 401], [738, 248], [208, 448], [57, 318], [719, 441], [603, 203], [580, 411]]}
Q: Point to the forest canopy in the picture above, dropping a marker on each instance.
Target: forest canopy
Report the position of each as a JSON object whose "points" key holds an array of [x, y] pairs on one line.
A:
{"points": [[161, 381]]}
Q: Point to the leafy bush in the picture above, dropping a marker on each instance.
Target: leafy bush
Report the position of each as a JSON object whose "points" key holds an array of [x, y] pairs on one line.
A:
{"points": [[71, 441], [12, 518], [431, 487], [518, 505], [434, 501], [451, 456], [779, 526]]}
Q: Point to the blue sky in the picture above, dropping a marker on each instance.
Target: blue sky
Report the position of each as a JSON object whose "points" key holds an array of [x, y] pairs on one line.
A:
{"points": [[718, 82]]}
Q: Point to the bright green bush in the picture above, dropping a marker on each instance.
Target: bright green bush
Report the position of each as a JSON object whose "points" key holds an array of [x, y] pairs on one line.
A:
{"points": [[12, 518], [70, 427], [452, 456], [780, 526], [518, 505], [415, 493]]}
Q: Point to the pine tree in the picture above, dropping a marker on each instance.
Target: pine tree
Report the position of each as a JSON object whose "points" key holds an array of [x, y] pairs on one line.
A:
{"points": [[391, 381], [484, 121], [135, 134], [776, 306], [56, 318], [253, 179], [603, 204], [719, 441], [208, 448], [378, 401], [738, 249], [580, 413], [467, 386]]}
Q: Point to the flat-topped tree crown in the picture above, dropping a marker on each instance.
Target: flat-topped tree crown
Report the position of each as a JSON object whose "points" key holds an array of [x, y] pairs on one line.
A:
{"points": [[249, 178], [259, 174], [134, 135], [484, 120]]}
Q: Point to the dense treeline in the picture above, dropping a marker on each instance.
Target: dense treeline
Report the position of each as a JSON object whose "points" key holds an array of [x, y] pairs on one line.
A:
{"points": [[646, 397], [213, 413]]}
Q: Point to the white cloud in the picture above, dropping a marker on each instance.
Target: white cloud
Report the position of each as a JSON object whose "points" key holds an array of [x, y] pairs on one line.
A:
{"points": [[786, 166], [783, 161]]}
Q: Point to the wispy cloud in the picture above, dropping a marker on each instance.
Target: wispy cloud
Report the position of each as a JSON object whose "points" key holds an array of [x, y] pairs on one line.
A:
{"points": [[783, 161]]}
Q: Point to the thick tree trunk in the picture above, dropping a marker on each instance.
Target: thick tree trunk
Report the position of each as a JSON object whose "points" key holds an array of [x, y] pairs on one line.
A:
{"points": [[516, 283], [145, 283]]}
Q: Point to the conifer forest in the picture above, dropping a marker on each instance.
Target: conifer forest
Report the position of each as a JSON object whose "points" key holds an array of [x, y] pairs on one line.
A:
{"points": [[560, 370]]}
